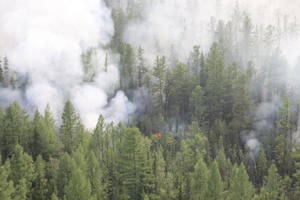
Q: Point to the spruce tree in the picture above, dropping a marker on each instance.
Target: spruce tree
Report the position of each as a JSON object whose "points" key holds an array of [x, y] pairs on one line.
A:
{"points": [[215, 184], [200, 179], [272, 187], [40, 185], [6, 186], [240, 187], [78, 187], [71, 128]]}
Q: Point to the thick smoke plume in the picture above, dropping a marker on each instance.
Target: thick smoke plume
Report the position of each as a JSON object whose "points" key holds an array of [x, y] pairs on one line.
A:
{"points": [[172, 28], [44, 42]]}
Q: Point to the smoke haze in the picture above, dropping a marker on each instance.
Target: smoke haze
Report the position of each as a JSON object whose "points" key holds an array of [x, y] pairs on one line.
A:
{"points": [[44, 41]]}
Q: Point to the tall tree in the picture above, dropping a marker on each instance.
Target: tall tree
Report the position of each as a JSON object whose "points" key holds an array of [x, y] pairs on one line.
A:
{"points": [[16, 130], [240, 187], [215, 183], [6, 186], [134, 164], [272, 187], [200, 178], [71, 129], [283, 141], [22, 171], [79, 187], [40, 184], [158, 87]]}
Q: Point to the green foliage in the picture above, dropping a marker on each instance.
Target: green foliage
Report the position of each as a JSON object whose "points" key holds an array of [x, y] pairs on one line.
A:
{"points": [[240, 187], [40, 189], [78, 187], [71, 129], [215, 183], [6, 186], [134, 164], [272, 188], [200, 179], [22, 171]]}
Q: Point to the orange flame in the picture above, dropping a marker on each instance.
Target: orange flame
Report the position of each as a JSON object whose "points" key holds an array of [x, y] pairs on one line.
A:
{"points": [[158, 135]]}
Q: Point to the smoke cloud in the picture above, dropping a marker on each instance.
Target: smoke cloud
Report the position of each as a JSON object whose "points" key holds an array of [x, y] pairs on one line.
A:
{"points": [[44, 41]]}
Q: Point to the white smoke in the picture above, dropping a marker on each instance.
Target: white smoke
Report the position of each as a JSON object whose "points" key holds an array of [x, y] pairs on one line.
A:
{"points": [[173, 27], [44, 41]]}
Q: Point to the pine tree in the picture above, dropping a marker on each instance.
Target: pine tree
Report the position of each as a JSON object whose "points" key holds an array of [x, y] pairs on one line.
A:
{"points": [[21, 190], [225, 167], [215, 184], [261, 166], [134, 164], [271, 189], [240, 187], [141, 69], [283, 142], [164, 181], [54, 197], [197, 105], [200, 179], [79, 187], [16, 130], [127, 61], [158, 86], [22, 169], [95, 176], [71, 128], [66, 166], [6, 186], [214, 90], [40, 188]]}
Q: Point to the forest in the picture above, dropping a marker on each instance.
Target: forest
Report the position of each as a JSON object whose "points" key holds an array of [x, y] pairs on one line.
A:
{"points": [[136, 115]]}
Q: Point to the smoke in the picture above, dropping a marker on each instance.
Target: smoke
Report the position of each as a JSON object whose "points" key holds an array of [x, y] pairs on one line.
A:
{"points": [[44, 41], [172, 28]]}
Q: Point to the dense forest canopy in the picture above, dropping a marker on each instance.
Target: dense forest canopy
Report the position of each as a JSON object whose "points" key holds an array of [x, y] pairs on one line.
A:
{"points": [[149, 100]]}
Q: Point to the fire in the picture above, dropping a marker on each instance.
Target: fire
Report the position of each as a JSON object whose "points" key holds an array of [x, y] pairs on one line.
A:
{"points": [[158, 135]]}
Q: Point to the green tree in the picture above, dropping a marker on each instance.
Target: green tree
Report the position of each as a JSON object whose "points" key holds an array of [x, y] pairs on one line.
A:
{"points": [[240, 187], [45, 138], [6, 186], [283, 141], [40, 184], [197, 104], [200, 181], [141, 69], [164, 186], [134, 164], [215, 184], [16, 130], [79, 187], [21, 190], [71, 129], [261, 166], [66, 166], [158, 86], [272, 186], [127, 60], [95, 176], [22, 169]]}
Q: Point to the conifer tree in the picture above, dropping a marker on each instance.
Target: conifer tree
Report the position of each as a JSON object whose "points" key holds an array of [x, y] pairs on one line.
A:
{"points": [[40, 184], [79, 187], [215, 184], [200, 180], [272, 187], [71, 128], [240, 187], [22, 171], [6, 186]]}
